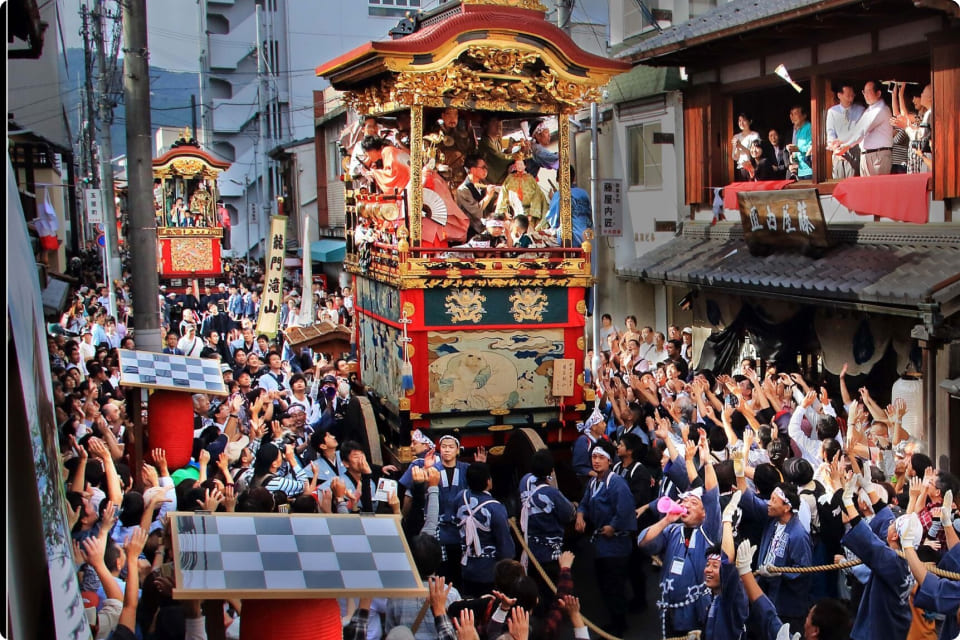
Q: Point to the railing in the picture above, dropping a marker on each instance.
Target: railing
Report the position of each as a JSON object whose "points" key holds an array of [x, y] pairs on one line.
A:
{"points": [[386, 262]]}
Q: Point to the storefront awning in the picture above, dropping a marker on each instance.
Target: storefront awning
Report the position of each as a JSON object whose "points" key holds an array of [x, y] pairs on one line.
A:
{"points": [[328, 250], [904, 270]]}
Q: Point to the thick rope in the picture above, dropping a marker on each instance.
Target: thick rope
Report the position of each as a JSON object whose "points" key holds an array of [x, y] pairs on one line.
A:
{"points": [[950, 575], [546, 579], [932, 568]]}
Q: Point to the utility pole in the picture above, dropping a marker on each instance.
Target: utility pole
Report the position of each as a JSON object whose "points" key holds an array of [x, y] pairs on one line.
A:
{"points": [[262, 125], [143, 224], [89, 115], [563, 15], [111, 253]]}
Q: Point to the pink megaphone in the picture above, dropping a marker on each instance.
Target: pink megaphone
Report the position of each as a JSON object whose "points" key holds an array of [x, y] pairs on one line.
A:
{"points": [[667, 506]]}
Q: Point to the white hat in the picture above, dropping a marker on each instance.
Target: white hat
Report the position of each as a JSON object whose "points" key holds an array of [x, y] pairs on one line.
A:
{"points": [[688, 330], [234, 448]]}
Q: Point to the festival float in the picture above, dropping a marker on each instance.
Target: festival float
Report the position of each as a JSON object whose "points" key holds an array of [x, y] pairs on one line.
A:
{"points": [[456, 334], [190, 237]]}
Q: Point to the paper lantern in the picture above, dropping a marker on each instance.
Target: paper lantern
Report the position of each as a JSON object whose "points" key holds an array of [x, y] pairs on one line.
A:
{"points": [[171, 426], [911, 391], [317, 619]]}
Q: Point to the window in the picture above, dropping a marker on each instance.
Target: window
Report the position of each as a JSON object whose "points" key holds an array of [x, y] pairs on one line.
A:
{"points": [[334, 167], [644, 162], [392, 8]]}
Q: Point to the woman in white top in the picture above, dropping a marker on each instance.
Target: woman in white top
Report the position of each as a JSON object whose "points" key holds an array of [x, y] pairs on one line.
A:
{"points": [[741, 146]]}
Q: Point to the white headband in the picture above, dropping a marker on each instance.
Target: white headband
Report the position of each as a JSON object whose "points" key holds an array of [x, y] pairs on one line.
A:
{"points": [[778, 492], [600, 451], [417, 436], [448, 437], [540, 127], [693, 493]]}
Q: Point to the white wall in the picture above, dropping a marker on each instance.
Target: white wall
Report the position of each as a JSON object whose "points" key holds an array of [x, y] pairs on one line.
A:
{"points": [[34, 90]]}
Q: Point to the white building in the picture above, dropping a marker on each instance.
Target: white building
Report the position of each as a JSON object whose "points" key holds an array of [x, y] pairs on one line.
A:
{"points": [[254, 107], [641, 143]]}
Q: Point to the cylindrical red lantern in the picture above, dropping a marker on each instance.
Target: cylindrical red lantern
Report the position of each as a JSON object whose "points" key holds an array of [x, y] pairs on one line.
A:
{"points": [[171, 426], [317, 619]]}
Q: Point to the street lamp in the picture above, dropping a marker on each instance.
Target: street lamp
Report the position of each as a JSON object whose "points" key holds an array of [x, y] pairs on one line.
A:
{"points": [[246, 215]]}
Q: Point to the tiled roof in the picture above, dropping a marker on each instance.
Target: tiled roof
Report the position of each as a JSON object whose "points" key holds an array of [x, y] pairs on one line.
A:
{"points": [[888, 266], [726, 16], [643, 81]]}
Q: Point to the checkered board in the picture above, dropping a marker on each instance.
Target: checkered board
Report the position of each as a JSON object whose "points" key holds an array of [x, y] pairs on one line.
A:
{"points": [[286, 556], [164, 371]]}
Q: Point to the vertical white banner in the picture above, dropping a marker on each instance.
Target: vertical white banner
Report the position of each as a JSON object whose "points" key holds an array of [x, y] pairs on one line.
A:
{"points": [[94, 198], [272, 296], [611, 208]]}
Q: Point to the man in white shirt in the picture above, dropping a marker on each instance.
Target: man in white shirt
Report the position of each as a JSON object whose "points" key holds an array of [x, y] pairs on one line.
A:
{"points": [[87, 349], [842, 118], [647, 346], [873, 133]]}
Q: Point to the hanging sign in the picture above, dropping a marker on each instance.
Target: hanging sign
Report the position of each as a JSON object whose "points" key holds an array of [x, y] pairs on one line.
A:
{"points": [[270, 300], [564, 373], [94, 199], [611, 208], [791, 218]]}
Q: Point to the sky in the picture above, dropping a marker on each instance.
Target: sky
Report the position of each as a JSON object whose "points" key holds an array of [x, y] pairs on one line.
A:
{"points": [[172, 31]]}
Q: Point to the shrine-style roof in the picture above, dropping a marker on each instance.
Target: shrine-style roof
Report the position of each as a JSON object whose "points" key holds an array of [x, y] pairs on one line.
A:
{"points": [[441, 38], [189, 148]]}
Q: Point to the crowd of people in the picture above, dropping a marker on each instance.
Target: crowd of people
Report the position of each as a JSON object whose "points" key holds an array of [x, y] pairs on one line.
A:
{"points": [[711, 480], [490, 179], [866, 139]]}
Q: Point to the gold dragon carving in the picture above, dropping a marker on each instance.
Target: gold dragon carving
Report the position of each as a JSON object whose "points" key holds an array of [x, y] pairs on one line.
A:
{"points": [[528, 305], [465, 305]]}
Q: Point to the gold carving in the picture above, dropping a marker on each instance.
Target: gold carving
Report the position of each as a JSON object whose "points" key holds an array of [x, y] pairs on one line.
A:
{"points": [[566, 205], [191, 254], [465, 305], [508, 81], [500, 427], [589, 395], [528, 304], [409, 309], [581, 343], [581, 307], [188, 167], [580, 379], [498, 60], [189, 232], [416, 174], [404, 404]]}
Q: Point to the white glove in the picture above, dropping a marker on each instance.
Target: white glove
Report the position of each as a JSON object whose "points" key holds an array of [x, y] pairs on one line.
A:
{"points": [[909, 530], [694, 635], [866, 480], [745, 553], [731, 507], [738, 467], [946, 510], [848, 489], [784, 634], [765, 571]]}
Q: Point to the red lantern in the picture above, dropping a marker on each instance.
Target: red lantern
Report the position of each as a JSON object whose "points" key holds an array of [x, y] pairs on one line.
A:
{"points": [[171, 426], [317, 619]]}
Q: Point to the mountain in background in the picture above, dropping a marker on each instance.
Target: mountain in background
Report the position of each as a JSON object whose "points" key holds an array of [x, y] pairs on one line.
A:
{"points": [[170, 93]]}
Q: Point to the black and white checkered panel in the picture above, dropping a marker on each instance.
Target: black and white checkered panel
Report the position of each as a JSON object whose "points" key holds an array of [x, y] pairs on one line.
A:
{"points": [[355, 555], [165, 371]]}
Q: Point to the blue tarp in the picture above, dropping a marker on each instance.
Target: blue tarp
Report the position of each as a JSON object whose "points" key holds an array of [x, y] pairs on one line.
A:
{"points": [[328, 250]]}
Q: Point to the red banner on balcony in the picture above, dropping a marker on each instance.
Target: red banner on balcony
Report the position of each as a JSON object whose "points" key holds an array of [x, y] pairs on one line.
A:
{"points": [[730, 191], [900, 197]]}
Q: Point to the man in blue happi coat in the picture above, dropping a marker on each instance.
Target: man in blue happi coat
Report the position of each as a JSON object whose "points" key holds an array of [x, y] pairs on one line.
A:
{"points": [[680, 540], [607, 508], [785, 543]]}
